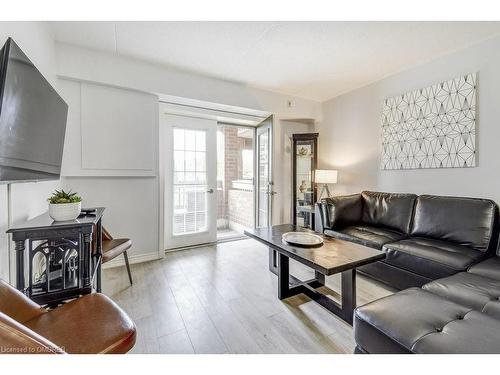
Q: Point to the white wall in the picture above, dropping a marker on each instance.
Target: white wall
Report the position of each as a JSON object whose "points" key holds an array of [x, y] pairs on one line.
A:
{"points": [[109, 132], [121, 142], [131, 209], [88, 65], [85, 65], [350, 132], [28, 199], [285, 150]]}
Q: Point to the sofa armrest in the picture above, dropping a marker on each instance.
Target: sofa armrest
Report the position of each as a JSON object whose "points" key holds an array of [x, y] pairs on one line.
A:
{"points": [[16, 338], [319, 212], [340, 211], [102, 326], [16, 305]]}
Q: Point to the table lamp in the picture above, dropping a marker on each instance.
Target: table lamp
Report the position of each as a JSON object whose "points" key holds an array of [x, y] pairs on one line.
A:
{"points": [[325, 177]]}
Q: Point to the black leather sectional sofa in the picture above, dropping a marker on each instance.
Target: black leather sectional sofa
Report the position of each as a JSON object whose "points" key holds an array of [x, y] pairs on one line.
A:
{"points": [[456, 314], [441, 251], [424, 237]]}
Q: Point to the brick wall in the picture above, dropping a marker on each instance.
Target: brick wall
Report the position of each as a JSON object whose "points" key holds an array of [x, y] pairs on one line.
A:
{"points": [[232, 171], [240, 207]]}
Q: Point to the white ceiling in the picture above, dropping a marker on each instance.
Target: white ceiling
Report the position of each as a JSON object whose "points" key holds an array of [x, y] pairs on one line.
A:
{"points": [[315, 60]]}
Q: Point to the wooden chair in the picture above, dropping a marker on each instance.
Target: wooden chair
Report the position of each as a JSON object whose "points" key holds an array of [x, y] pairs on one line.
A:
{"points": [[112, 247]]}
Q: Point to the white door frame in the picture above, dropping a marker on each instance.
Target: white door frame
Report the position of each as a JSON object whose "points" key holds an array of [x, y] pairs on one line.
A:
{"points": [[268, 124], [193, 110], [167, 122]]}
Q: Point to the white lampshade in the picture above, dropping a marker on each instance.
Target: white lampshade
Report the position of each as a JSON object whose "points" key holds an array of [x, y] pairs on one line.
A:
{"points": [[326, 176]]}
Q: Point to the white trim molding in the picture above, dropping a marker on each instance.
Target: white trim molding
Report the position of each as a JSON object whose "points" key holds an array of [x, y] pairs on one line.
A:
{"points": [[133, 259]]}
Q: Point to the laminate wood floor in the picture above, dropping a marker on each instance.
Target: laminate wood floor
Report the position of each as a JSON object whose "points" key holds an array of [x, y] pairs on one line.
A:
{"points": [[223, 299]]}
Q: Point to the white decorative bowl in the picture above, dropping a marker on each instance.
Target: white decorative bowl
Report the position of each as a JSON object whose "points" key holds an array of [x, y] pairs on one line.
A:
{"points": [[304, 239], [65, 211]]}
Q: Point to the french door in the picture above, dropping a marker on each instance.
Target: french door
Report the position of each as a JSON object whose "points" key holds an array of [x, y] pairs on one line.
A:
{"points": [[264, 166], [190, 162]]}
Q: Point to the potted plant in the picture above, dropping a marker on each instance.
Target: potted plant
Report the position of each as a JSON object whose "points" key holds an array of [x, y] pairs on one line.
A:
{"points": [[64, 206]]}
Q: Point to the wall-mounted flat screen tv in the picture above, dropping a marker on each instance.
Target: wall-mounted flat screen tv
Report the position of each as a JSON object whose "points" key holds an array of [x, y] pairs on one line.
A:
{"points": [[32, 120]]}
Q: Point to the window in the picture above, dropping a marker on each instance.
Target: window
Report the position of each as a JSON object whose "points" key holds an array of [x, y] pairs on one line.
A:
{"points": [[190, 181]]}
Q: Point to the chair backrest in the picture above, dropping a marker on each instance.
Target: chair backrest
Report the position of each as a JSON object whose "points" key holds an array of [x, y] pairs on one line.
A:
{"points": [[466, 221], [391, 210], [106, 236], [340, 211]]}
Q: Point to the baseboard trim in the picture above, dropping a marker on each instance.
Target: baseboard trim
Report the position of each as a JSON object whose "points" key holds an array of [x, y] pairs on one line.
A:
{"points": [[141, 258]]}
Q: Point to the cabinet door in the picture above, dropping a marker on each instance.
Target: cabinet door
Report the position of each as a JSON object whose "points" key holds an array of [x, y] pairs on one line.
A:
{"points": [[304, 189]]}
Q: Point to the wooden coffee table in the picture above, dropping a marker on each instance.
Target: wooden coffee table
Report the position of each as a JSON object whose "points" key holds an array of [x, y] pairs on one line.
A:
{"points": [[334, 256]]}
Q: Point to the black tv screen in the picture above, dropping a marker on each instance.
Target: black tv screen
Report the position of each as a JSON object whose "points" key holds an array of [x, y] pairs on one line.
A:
{"points": [[32, 120]]}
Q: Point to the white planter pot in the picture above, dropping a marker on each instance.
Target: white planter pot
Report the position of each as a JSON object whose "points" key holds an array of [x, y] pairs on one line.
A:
{"points": [[65, 211]]}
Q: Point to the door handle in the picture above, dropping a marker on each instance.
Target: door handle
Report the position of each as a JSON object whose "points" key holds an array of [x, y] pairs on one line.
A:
{"points": [[272, 192], [210, 191]]}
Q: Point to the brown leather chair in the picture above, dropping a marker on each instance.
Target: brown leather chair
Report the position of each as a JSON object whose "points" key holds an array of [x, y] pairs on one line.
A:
{"points": [[111, 248], [91, 324]]}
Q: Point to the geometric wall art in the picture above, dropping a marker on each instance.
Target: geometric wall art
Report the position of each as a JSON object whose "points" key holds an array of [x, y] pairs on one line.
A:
{"points": [[433, 127]]}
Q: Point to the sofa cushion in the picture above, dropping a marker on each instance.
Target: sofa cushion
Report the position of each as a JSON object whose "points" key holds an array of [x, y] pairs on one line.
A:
{"points": [[394, 277], [392, 210], [342, 210], [488, 268], [394, 324], [470, 290], [464, 221], [476, 333], [430, 258], [366, 235]]}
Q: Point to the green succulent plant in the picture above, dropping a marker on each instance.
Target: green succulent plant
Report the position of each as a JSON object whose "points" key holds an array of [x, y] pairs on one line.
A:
{"points": [[60, 196]]}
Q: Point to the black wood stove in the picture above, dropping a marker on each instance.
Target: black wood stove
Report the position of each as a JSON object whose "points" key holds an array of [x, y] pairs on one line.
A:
{"points": [[64, 258]]}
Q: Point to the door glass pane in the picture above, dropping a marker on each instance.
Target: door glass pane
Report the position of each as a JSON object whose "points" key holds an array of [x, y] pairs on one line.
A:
{"points": [[263, 176], [190, 139], [190, 176], [178, 161], [179, 139], [200, 141], [190, 161]]}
